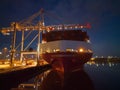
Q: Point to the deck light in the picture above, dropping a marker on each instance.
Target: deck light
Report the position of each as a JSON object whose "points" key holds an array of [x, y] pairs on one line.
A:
{"points": [[81, 50]]}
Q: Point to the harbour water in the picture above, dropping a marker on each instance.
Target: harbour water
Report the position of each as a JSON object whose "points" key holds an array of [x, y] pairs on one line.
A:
{"points": [[95, 76], [105, 76]]}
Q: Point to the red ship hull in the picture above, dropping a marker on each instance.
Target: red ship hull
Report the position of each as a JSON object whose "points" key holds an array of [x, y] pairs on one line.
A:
{"points": [[67, 61]]}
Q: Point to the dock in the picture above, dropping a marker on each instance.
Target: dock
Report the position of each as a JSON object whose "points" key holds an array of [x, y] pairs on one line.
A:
{"points": [[13, 77]]}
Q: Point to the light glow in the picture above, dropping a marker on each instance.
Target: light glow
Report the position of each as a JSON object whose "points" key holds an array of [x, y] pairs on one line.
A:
{"points": [[81, 50]]}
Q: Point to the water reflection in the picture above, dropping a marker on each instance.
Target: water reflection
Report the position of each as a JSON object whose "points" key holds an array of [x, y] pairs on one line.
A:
{"points": [[104, 62], [75, 81], [105, 74]]}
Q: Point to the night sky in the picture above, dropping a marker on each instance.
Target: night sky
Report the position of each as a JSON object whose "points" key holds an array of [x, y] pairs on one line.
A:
{"points": [[103, 15]]}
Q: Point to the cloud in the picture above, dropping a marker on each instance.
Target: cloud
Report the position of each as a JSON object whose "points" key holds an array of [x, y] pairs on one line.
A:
{"points": [[86, 10]]}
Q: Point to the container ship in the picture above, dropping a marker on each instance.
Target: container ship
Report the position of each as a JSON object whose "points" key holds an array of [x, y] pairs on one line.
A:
{"points": [[66, 47]]}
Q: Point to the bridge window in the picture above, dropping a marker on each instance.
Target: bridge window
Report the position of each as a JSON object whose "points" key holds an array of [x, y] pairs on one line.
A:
{"points": [[48, 51], [43, 41], [57, 50], [69, 50]]}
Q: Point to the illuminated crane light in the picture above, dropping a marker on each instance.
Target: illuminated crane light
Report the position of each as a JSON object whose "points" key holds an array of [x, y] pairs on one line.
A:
{"points": [[58, 28], [88, 41], [26, 29], [76, 27], [81, 26], [89, 50], [65, 27]]}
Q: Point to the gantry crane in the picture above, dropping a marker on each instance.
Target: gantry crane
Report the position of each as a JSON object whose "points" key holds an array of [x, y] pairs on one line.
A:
{"points": [[23, 26], [27, 24]]}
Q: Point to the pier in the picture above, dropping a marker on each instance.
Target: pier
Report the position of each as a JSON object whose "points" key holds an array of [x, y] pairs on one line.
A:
{"points": [[14, 76]]}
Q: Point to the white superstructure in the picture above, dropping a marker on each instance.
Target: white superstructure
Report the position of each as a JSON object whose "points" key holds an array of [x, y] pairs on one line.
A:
{"points": [[65, 45]]}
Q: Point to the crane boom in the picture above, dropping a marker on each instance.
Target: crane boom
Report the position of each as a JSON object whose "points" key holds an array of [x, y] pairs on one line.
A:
{"points": [[41, 27], [27, 24]]}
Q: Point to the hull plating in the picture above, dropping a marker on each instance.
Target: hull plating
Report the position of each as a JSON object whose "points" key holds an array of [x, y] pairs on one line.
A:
{"points": [[67, 61]]}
